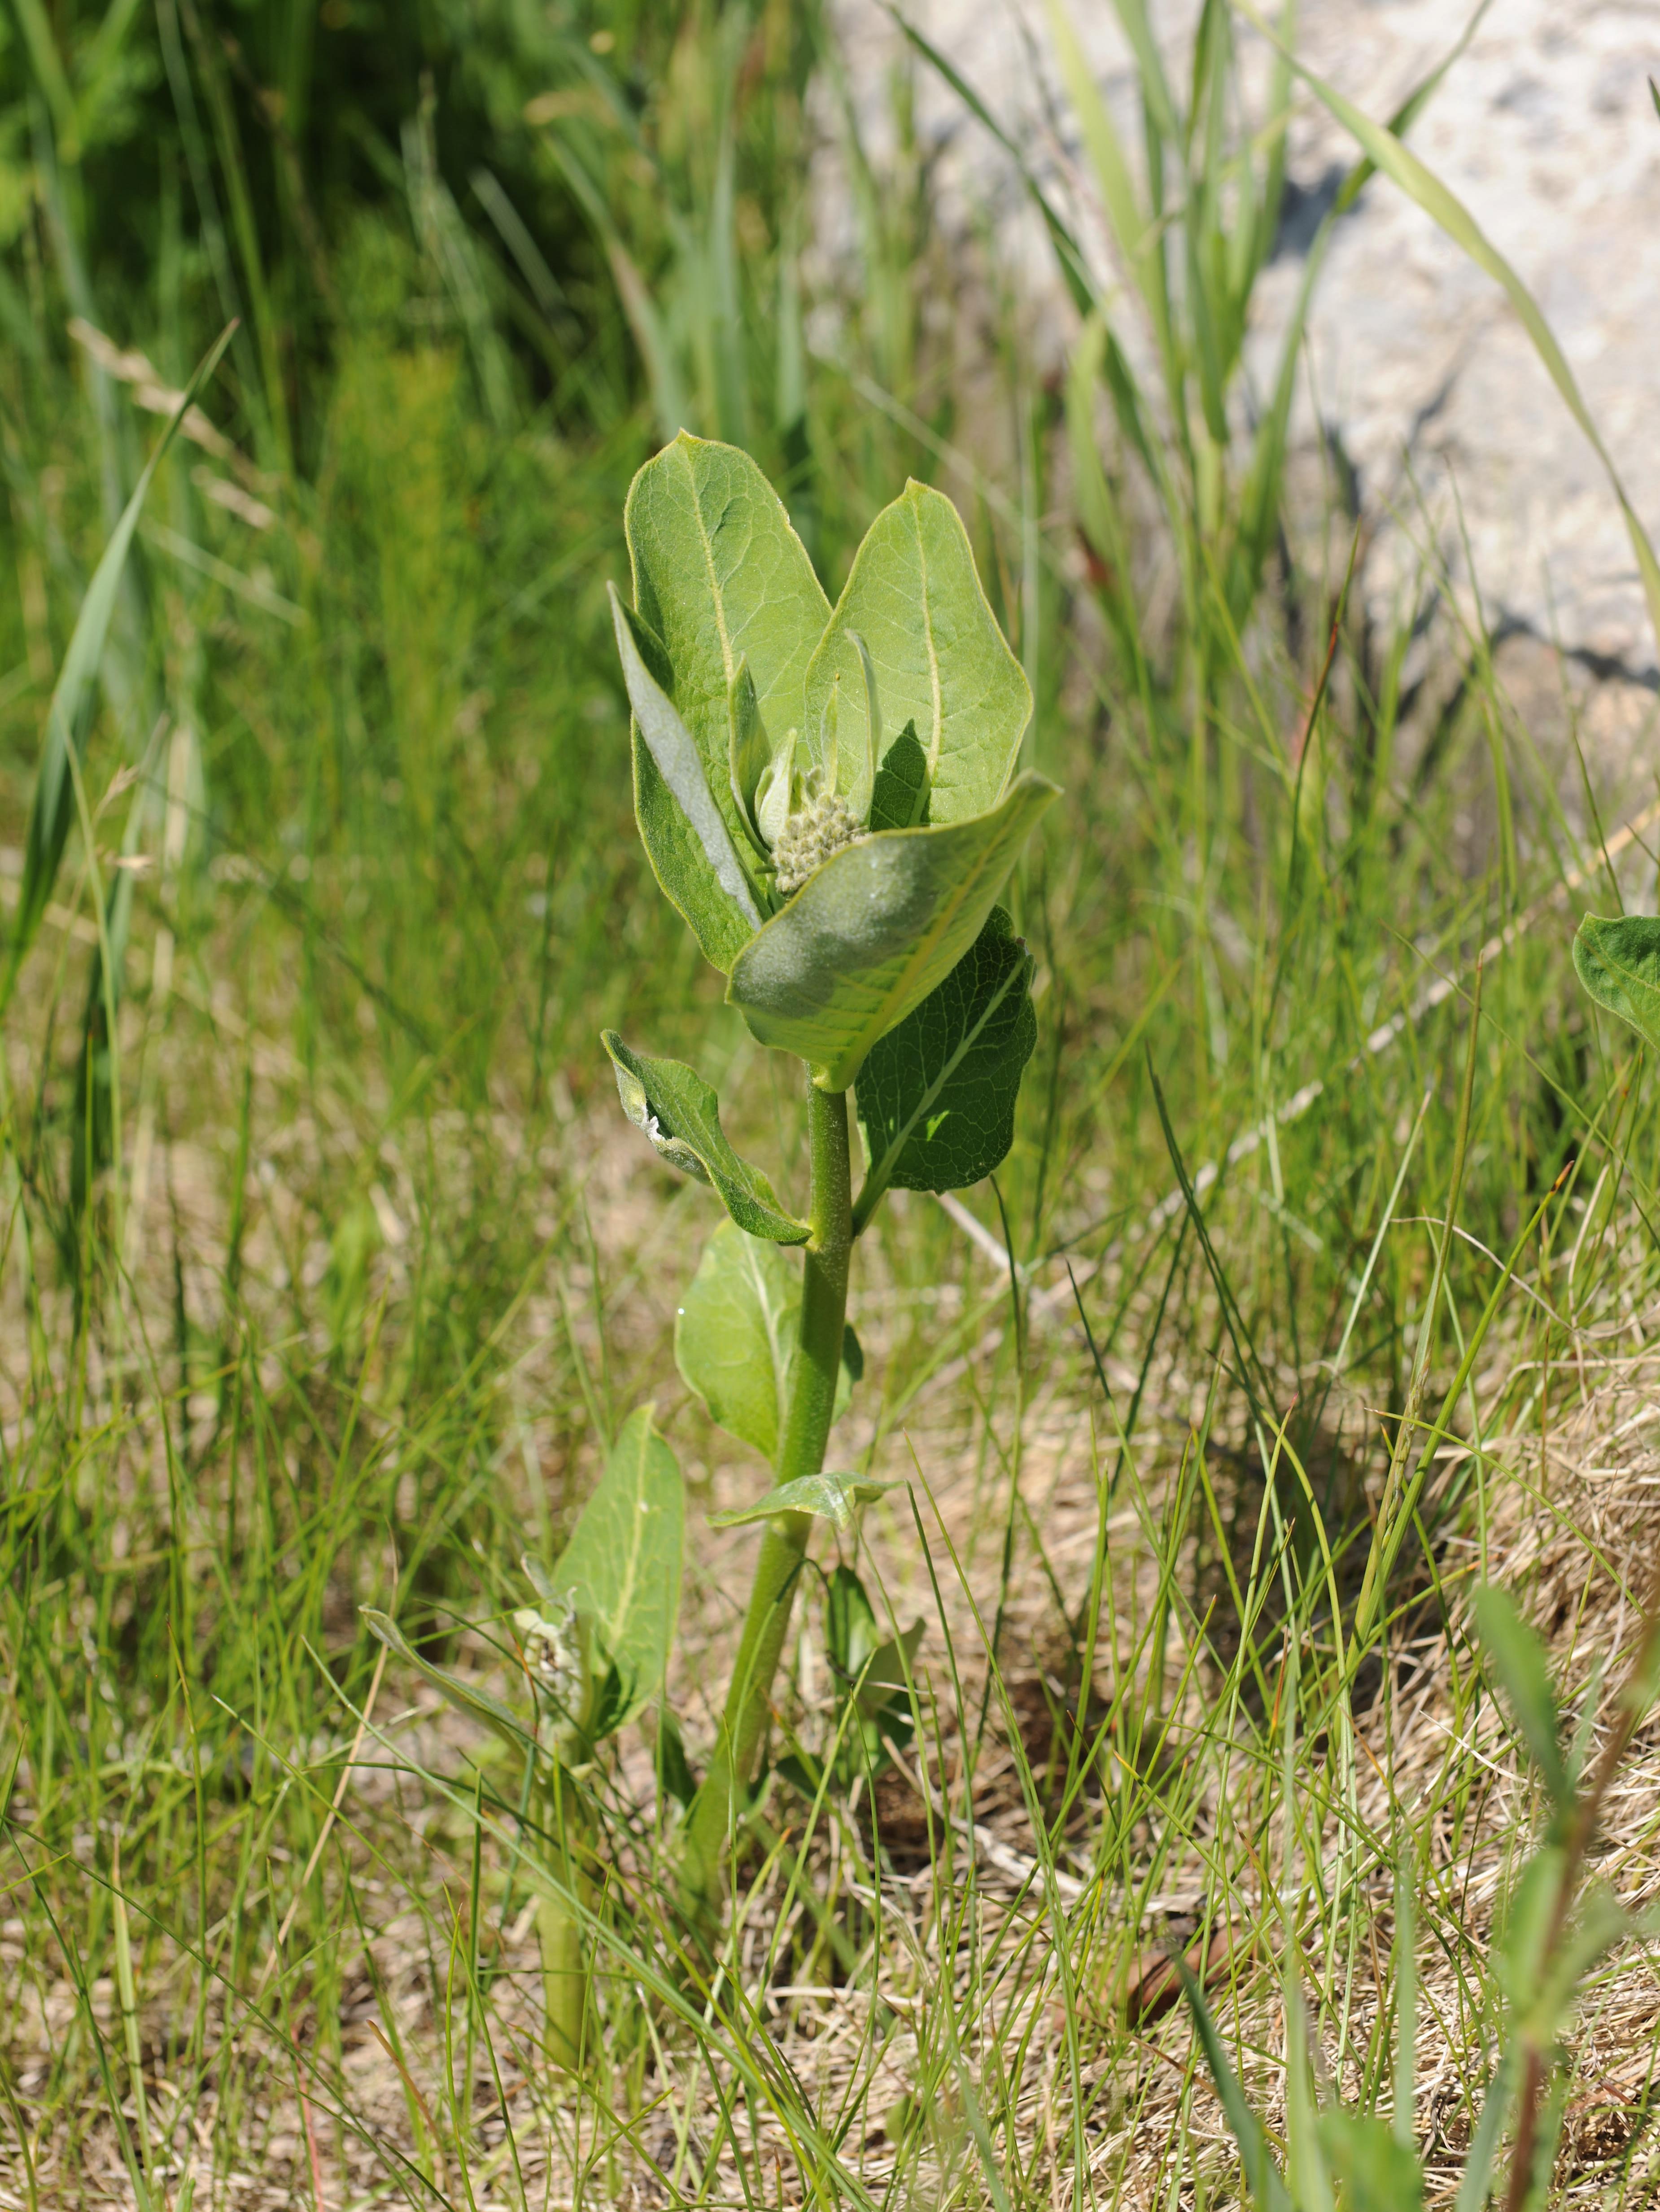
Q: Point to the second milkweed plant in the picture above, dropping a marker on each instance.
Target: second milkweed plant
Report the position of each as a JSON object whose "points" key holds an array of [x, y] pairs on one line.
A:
{"points": [[829, 798]]}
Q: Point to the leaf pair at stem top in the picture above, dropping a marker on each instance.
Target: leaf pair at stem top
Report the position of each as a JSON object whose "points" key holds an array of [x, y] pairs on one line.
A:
{"points": [[827, 797]]}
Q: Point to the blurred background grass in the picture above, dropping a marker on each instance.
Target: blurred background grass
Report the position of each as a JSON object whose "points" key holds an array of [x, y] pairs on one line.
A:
{"points": [[328, 1271]]}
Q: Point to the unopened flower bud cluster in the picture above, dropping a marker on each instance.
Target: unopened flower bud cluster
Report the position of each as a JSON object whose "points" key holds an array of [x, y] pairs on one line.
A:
{"points": [[553, 1657], [823, 824]]}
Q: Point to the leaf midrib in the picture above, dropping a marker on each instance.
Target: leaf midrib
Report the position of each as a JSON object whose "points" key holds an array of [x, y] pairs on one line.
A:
{"points": [[884, 1168]]}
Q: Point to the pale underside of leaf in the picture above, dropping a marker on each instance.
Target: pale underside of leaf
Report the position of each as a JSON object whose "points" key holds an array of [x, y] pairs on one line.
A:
{"points": [[832, 1497], [681, 767], [721, 575], [875, 930]]}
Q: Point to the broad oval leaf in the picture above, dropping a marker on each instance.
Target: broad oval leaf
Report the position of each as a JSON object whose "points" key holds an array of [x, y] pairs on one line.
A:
{"points": [[684, 829], [937, 1095], [735, 1338], [1619, 964], [881, 925], [939, 659], [623, 1564], [680, 1114], [721, 575], [831, 1497]]}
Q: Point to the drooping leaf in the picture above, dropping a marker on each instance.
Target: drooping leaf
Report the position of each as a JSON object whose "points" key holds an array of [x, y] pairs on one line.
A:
{"points": [[682, 826], [937, 1094], [1518, 1660], [1619, 964], [674, 1774], [832, 1497], [899, 797], [939, 659], [735, 1338], [887, 1676], [850, 1631], [720, 576], [623, 1564], [681, 1116], [1375, 2172], [879, 926], [478, 1705]]}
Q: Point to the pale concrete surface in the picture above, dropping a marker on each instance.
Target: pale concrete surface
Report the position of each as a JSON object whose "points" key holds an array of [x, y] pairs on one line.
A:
{"points": [[1544, 128]]}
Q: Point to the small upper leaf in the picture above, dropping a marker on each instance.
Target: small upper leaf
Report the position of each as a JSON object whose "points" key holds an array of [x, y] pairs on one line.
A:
{"points": [[937, 1094], [937, 655], [623, 1564], [880, 925], [832, 1497], [681, 1115], [899, 798], [1619, 964], [684, 829], [749, 751]]}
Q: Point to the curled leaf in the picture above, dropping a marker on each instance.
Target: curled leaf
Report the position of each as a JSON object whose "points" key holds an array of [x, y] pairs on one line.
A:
{"points": [[684, 830], [879, 926], [478, 1705], [680, 1114], [832, 1497]]}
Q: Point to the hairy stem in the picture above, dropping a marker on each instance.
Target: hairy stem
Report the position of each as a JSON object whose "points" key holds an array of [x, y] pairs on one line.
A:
{"points": [[807, 1432]]}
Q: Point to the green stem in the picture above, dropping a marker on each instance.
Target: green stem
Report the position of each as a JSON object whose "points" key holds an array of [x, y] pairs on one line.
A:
{"points": [[564, 1972], [806, 1432]]}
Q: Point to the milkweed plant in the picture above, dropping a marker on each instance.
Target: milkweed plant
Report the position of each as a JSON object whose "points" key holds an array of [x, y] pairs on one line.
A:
{"points": [[829, 799]]}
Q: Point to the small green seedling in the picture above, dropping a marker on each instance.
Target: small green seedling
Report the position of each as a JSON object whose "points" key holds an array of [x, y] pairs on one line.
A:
{"points": [[829, 796], [593, 1648]]}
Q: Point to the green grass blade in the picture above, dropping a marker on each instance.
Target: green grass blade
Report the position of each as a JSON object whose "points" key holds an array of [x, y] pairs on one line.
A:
{"points": [[74, 703], [1445, 209], [1262, 2177]]}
